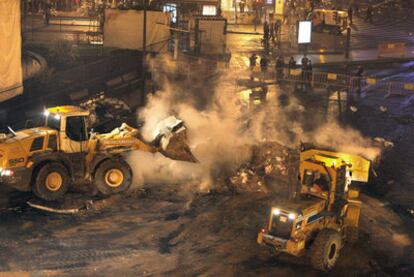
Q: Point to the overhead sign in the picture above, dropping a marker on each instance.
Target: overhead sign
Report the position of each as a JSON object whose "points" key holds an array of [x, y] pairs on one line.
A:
{"points": [[304, 32]]}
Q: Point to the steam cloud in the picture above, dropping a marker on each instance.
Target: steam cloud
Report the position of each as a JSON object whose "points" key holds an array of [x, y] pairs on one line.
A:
{"points": [[219, 130]]}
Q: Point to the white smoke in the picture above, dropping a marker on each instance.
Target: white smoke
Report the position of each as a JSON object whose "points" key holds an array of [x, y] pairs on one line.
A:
{"points": [[344, 139], [218, 132]]}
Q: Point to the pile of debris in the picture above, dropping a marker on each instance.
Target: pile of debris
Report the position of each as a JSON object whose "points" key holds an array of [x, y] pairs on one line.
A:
{"points": [[271, 166]]}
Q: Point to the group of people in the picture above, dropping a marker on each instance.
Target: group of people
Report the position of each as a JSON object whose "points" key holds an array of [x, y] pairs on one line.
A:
{"points": [[306, 66], [272, 31], [355, 9]]}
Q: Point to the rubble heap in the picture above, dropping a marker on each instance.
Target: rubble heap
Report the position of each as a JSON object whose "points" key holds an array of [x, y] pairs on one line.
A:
{"points": [[271, 165]]}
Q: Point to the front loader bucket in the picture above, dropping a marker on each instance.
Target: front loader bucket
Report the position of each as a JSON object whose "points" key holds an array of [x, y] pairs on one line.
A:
{"points": [[172, 139]]}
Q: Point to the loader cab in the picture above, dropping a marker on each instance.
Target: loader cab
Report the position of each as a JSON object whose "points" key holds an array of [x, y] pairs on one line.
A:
{"points": [[70, 122], [338, 170], [316, 179]]}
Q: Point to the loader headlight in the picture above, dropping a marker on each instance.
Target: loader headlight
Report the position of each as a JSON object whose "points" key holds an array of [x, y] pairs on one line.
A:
{"points": [[46, 113], [6, 172], [276, 212], [292, 216]]}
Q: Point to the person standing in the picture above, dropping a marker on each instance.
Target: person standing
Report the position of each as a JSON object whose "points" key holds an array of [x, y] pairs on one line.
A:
{"points": [[279, 65], [310, 73], [369, 14], [242, 5], [350, 13], [304, 61], [304, 65], [263, 63], [47, 8], [252, 61], [277, 30], [272, 31], [358, 79], [291, 65], [266, 31], [263, 66]]}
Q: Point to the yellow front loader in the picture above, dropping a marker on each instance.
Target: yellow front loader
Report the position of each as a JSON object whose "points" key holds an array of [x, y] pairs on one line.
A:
{"points": [[48, 159], [325, 212]]}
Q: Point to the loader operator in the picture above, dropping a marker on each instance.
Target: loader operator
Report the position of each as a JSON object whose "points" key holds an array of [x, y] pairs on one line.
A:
{"points": [[320, 183]]}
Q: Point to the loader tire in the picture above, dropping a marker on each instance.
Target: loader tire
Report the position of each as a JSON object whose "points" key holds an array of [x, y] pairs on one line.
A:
{"points": [[113, 176], [325, 250], [51, 182]]}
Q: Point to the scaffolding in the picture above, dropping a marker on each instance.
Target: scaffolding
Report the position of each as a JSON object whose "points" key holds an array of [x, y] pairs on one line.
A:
{"points": [[95, 28]]}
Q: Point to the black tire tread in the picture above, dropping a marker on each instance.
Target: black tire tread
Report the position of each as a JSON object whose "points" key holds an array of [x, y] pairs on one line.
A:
{"points": [[318, 249], [100, 171], [41, 191]]}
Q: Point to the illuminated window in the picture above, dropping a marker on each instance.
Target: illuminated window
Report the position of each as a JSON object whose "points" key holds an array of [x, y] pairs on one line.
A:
{"points": [[209, 10], [171, 8]]}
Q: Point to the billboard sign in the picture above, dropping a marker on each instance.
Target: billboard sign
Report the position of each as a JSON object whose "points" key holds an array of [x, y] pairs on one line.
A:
{"points": [[304, 32]]}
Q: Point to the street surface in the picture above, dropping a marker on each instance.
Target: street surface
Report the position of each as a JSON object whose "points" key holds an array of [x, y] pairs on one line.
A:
{"points": [[177, 229], [179, 224]]}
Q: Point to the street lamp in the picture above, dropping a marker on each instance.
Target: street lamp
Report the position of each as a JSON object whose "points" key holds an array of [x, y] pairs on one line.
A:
{"points": [[348, 42], [144, 51]]}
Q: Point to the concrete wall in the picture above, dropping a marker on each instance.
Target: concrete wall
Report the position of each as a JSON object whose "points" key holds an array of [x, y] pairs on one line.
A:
{"points": [[124, 29], [212, 36]]}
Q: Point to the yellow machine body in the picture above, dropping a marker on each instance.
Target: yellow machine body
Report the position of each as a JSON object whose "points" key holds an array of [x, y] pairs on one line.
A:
{"points": [[64, 139], [293, 225]]}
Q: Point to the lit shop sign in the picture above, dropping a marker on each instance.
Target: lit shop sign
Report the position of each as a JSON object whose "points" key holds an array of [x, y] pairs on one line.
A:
{"points": [[304, 32], [269, 2], [209, 10], [279, 7]]}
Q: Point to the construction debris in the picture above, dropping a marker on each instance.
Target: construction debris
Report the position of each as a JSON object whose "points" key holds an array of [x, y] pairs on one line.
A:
{"points": [[269, 161]]}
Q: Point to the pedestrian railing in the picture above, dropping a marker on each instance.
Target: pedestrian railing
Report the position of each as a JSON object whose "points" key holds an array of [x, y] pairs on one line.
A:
{"points": [[391, 49], [352, 83]]}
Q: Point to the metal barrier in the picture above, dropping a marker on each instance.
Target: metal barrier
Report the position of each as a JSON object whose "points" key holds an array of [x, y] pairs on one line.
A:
{"points": [[396, 49], [354, 84]]}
